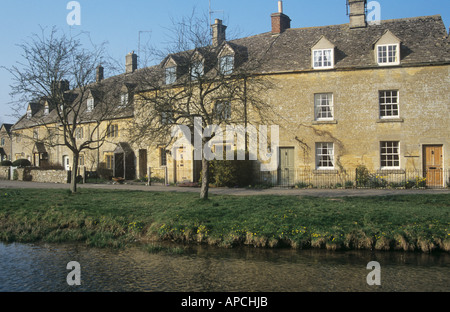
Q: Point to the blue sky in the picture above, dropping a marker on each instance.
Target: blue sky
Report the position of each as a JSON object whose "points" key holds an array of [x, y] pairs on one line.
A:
{"points": [[118, 22]]}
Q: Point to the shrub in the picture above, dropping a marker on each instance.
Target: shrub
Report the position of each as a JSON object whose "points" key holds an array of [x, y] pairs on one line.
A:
{"points": [[301, 185], [21, 163], [231, 173], [6, 163], [348, 184], [362, 176]]}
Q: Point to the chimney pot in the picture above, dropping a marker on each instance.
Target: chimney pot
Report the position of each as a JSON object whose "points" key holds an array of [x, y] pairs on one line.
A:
{"points": [[280, 21], [280, 6]]}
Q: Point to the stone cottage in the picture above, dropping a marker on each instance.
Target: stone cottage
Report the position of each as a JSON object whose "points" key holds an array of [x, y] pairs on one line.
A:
{"points": [[344, 97]]}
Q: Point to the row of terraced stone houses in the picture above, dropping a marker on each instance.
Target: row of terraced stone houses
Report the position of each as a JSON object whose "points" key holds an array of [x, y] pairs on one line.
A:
{"points": [[345, 96]]}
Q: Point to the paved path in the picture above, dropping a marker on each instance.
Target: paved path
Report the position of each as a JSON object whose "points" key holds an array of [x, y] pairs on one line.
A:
{"points": [[229, 191]]}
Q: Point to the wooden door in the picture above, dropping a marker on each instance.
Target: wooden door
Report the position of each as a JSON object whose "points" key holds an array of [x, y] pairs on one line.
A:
{"points": [[433, 165], [286, 171], [142, 163], [66, 163], [181, 166]]}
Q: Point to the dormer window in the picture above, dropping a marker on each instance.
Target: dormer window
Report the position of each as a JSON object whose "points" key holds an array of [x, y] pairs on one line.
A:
{"points": [[388, 54], [323, 59], [387, 50], [90, 104], [124, 99], [29, 114], [46, 110], [171, 75], [197, 70], [323, 54], [226, 64]]}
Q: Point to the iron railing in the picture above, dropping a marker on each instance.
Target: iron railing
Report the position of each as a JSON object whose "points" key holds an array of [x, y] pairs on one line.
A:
{"points": [[357, 178]]}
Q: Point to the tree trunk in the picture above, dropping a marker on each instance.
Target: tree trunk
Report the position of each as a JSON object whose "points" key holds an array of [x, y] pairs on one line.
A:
{"points": [[205, 179], [73, 180]]}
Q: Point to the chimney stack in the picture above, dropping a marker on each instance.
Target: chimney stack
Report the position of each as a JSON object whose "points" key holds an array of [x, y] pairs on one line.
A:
{"points": [[218, 33], [131, 62], [357, 13], [99, 76], [280, 21]]}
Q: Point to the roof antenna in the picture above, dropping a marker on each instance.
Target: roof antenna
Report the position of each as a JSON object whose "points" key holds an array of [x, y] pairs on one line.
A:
{"points": [[211, 12]]}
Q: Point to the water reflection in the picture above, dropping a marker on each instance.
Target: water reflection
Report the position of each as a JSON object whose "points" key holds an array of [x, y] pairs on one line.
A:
{"points": [[203, 269]]}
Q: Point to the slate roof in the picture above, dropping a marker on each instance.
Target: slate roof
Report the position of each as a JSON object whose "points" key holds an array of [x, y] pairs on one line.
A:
{"points": [[424, 41], [7, 127]]}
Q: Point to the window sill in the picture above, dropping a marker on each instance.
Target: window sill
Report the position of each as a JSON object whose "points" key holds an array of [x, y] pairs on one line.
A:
{"points": [[387, 120], [390, 171], [325, 171], [324, 122]]}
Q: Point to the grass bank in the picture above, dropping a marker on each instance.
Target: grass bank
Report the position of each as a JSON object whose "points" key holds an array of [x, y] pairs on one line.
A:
{"points": [[103, 218]]}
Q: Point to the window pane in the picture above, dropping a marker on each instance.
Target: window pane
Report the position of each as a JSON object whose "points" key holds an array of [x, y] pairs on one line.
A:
{"points": [[325, 155], [390, 154], [388, 54], [323, 106], [389, 104], [226, 65], [171, 75]]}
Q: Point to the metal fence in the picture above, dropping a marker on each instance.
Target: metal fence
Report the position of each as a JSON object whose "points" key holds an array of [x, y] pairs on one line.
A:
{"points": [[358, 178]]}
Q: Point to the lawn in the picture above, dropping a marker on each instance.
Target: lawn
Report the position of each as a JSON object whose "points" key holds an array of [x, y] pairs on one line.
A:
{"points": [[105, 218]]}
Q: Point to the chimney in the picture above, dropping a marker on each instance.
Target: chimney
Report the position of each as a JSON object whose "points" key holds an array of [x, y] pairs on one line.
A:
{"points": [[280, 21], [60, 87], [99, 76], [131, 62], [218, 33], [357, 13]]}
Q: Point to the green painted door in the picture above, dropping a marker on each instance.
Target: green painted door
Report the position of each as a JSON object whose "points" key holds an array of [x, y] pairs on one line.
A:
{"points": [[286, 171]]}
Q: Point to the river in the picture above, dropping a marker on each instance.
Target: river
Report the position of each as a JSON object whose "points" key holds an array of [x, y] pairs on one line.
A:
{"points": [[43, 268]]}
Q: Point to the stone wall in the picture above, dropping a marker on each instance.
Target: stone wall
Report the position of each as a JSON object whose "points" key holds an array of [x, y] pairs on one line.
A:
{"points": [[44, 176], [4, 173]]}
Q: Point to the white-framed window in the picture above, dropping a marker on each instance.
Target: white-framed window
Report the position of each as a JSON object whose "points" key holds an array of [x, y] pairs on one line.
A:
{"points": [[113, 131], [36, 134], [81, 160], [323, 59], [389, 104], [223, 110], [162, 157], [197, 70], [226, 64], [29, 114], [390, 155], [90, 104], [323, 106], [324, 156], [2, 142], [388, 54], [124, 99], [109, 160], [46, 110], [171, 75], [79, 133]]}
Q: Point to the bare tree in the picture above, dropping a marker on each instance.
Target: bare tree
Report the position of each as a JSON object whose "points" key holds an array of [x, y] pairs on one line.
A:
{"points": [[57, 76], [201, 78]]}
